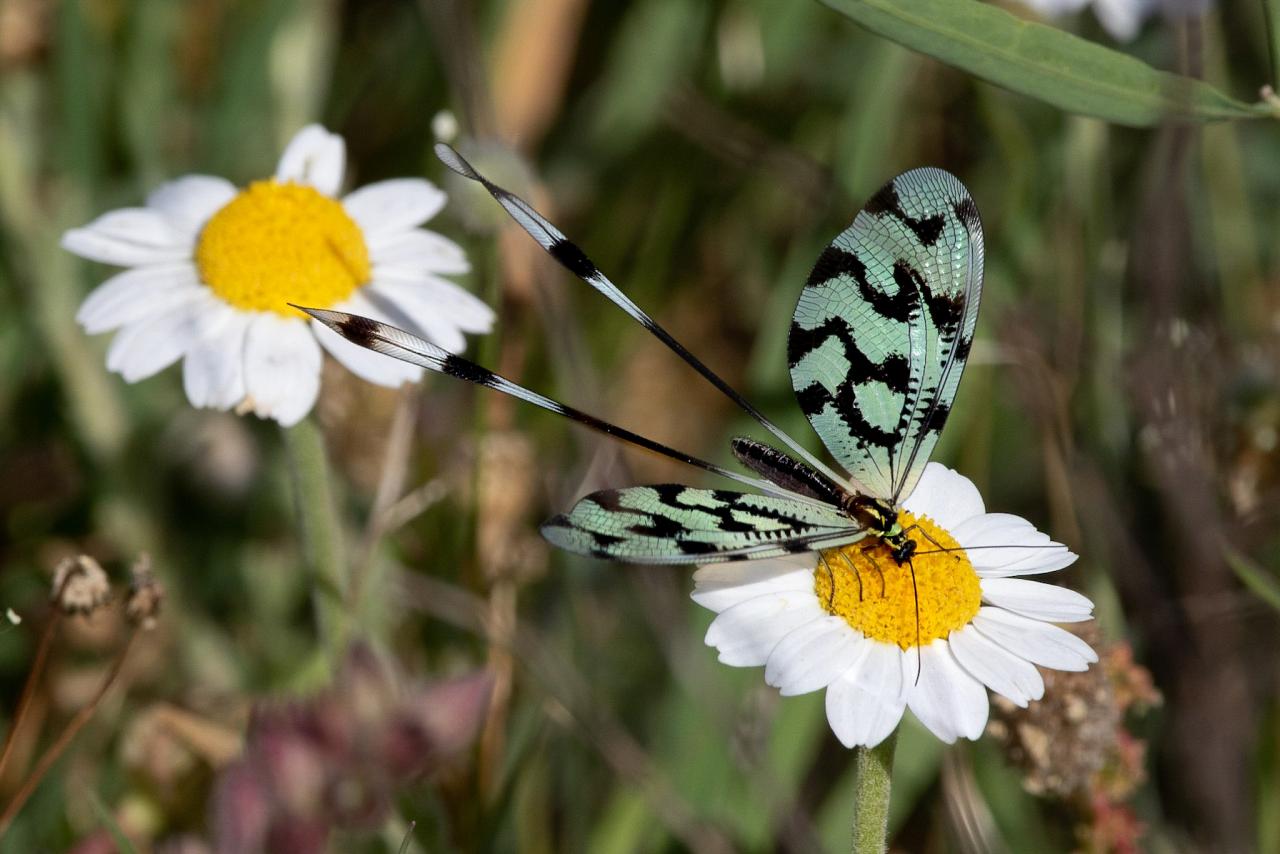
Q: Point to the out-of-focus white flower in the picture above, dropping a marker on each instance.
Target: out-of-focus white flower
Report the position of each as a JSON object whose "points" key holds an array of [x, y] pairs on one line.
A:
{"points": [[930, 636], [1121, 18], [212, 271]]}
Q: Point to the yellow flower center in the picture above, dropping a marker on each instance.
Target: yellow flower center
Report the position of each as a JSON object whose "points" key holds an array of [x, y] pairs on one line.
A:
{"points": [[280, 243], [865, 585]]}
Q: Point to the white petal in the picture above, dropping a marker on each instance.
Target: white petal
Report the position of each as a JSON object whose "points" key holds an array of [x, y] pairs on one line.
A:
{"points": [[189, 201], [746, 633], [433, 295], [408, 309], [394, 205], [860, 714], [417, 251], [366, 364], [1121, 18], [129, 237], [1001, 544], [136, 294], [812, 655], [1001, 671], [316, 157], [945, 496], [883, 672], [1054, 8], [281, 367], [1037, 600], [213, 370], [147, 347], [1047, 558], [1040, 643], [946, 699], [718, 586]]}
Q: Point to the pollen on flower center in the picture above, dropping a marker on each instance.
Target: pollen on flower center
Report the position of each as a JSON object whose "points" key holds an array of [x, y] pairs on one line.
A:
{"points": [[865, 585], [277, 243]]}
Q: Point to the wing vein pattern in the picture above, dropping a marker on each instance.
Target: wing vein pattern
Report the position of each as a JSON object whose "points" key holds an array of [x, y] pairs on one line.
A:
{"points": [[673, 523], [883, 327]]}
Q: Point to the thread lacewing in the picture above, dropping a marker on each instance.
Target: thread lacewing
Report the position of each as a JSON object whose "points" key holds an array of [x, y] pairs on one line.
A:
{"points": [[878, 342]]}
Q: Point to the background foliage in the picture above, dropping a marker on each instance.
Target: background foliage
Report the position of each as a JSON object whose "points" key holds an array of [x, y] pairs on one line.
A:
{"points": [[1123, 395]]}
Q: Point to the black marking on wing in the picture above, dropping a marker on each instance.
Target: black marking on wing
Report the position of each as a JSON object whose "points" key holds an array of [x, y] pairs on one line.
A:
{"points": [[945, 311], [834, 262], [926, 229], [609, 499], [658, 526], [573, 258], [910, 283], [697, 547], [358, 330], [936, 418], [601, 540], [894, 371], [814, 398], [670, 493], [967, 210]]}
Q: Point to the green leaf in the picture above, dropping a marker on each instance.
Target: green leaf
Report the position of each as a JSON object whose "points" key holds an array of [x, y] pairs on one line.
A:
{"points": [[1054, 66], [1263, 583]]}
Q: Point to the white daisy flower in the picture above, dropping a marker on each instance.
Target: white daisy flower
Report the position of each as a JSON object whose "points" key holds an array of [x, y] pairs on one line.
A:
{"points": [[848, 621], [1120, 18], [212, 270]]}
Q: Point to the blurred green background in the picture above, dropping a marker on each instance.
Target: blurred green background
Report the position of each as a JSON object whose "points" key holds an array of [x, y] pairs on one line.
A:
{"points": [[1122, 395]]}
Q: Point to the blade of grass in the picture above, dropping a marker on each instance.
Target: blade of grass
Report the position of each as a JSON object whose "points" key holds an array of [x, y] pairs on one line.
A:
{"points": [[1045, 63], [108, 821], [1264, 584]]}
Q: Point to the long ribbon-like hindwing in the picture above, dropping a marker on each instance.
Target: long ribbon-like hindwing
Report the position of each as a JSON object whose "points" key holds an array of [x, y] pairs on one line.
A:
{"points": [[393, 341], [573, 259]]}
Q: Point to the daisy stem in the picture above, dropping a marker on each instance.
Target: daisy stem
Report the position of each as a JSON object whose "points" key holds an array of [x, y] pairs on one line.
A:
{"points": [[320, 531], [874, 770]]}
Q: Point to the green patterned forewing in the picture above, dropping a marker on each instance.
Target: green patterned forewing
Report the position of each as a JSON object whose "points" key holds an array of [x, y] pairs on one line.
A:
{"points": [[883, 326], [672, 523]]}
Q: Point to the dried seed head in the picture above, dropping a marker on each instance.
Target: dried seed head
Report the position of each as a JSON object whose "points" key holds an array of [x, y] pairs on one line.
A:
{"points": [[1063, 740], [1073, 744], [145, 594], [80, 586]]}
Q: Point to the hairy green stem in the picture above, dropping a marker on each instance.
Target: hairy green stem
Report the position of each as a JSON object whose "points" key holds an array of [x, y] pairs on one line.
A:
{"points": [[320, 532], [874, 771]]}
